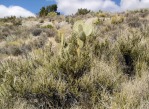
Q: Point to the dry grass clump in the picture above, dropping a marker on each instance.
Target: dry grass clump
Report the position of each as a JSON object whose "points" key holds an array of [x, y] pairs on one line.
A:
{"points": [[117, 19], [4, 33], [49, 30], [102, 14], [15, 21], [106, 68]]}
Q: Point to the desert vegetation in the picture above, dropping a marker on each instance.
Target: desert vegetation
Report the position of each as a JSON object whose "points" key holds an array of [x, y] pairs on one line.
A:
{"points": [[90, 60], [46, 11]]}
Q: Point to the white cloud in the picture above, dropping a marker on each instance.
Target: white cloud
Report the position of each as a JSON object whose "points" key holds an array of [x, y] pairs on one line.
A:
{"points": [[71, 6], [134, 4], [14, 11]]}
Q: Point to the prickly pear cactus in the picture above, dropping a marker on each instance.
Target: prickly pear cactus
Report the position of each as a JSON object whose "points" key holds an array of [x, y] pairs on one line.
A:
{"points": [[62, 40], [81, 35], [86, 27], [78, 26], [80, 43]]}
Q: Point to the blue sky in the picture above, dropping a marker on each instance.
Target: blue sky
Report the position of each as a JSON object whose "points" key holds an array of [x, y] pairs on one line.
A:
{"points": [[32, 5], [27, 8]]}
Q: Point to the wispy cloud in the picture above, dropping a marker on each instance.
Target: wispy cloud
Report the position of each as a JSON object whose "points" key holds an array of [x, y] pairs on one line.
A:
{"points": [[14, 11], [134, 4], [71, 6]]}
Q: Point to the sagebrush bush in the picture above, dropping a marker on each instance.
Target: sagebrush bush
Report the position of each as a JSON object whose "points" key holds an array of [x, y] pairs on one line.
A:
{"points": [[101, 14], [133, 21], [52, 14], [48, 26], [41, 21], [4, 33], [36, 32], [117, 19], [17, 22], [82, 11], [50, 32]]}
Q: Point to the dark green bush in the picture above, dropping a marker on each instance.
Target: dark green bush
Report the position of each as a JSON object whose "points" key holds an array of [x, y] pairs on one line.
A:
{"points": [[82, 11], [37, 32]]}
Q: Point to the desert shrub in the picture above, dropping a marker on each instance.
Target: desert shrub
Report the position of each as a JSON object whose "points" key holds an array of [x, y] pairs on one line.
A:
{"points": [[41, 21], [132, 51], [11, 50], [107, 28], [101, 14], [14, 50], [144, 14], [70, 20], [9, 19], [17, 22], [50, 10], [16, 47], [66, 67], [48, 26], [117, 19], [82, 11], [67, 19], [57, 38], [100, 48], [52, 14], [136, 87], [37, 32], [50, 32], [5, 32], [43, 12], [133, 22], [98, 22], [79, 65], [37, 42]]}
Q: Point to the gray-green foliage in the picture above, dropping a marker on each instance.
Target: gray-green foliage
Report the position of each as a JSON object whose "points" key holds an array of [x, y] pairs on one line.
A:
{"points": [[82, 26], [83, 30]]}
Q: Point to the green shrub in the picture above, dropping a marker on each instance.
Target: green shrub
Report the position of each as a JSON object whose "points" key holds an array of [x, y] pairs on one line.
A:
{"points": [[48, 26], [17, 22], [41, 21], [36, 43], [37, 32], [82, 11], [52, 14], [101, 14], [50, 10], [117, 19], [98, 22], [9, 19]]}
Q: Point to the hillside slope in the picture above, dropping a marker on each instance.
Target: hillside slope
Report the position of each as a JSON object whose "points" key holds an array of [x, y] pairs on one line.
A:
{"points": [[93, 61]]}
